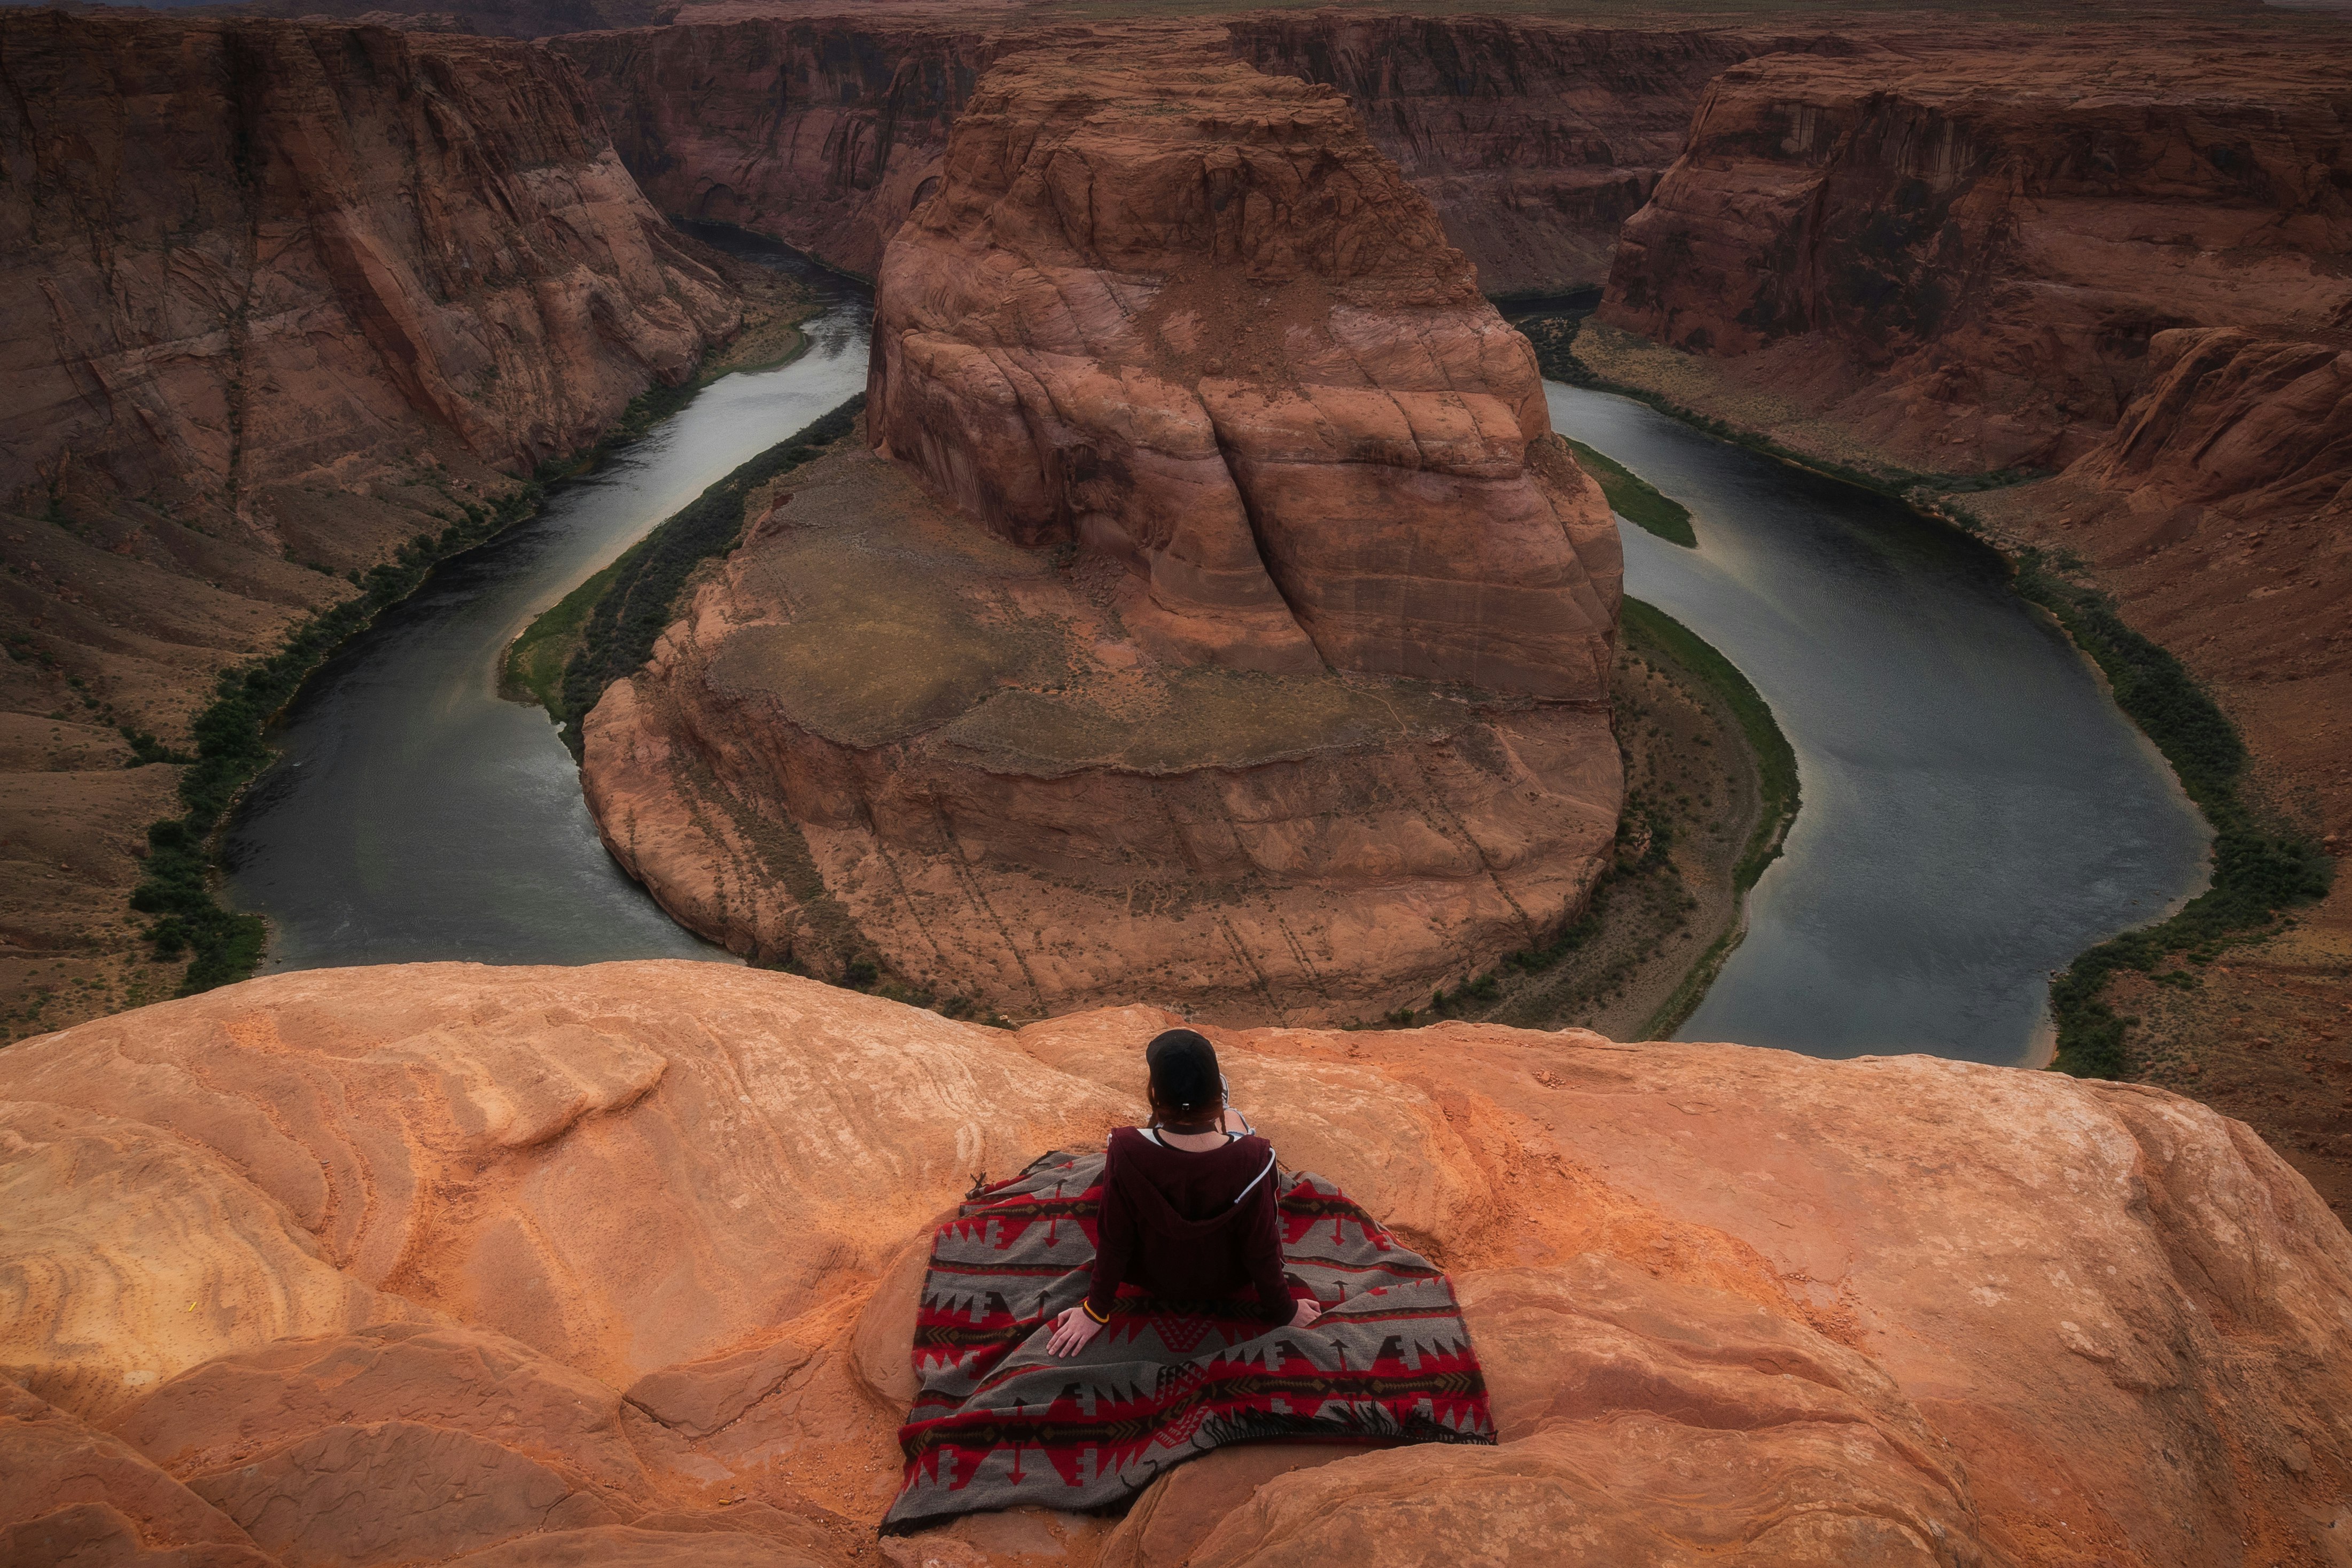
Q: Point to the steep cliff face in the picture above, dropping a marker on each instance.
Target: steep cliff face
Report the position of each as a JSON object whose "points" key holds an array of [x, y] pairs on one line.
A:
{"points": [[820, 132], [1245, 639], [1184, 314], [277, 299], [1534, 141], [354, 1267], [1963, 259], [246, 252]]}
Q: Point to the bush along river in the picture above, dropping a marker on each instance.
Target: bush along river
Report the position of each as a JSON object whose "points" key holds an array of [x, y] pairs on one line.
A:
{"points": [[1976, 810], [413, 814]]}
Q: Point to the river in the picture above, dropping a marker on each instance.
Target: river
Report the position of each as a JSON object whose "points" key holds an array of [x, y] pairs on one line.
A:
{"points": [[1976, 810], [413, 813]]}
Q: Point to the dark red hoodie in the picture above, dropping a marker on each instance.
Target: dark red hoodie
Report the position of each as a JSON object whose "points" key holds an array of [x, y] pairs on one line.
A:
{"points": [[1188, 1227]]}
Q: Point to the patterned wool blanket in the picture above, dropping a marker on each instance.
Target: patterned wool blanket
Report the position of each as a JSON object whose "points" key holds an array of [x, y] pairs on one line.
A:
{"points": [[1002, 1422]]}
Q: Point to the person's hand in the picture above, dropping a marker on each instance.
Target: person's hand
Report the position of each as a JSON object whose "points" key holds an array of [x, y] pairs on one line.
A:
{"points": [[1306, 1312], [1073, 1331]]}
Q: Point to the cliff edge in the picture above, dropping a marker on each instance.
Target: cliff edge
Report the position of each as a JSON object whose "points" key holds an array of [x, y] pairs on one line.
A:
{"points": [[522, 1266]]}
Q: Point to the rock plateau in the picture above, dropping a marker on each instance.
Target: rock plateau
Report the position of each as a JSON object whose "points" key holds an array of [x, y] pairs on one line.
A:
{"points": [[1245, 642], [617, 1264]]}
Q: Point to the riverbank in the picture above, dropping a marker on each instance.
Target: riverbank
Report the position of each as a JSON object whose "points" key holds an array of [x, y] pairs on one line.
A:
{"points": [[1711, 792], [2239, 999], [180, 935], [1712, 783]]}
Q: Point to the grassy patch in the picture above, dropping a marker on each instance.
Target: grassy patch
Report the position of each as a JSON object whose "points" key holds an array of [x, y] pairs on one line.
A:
{"points": [[535, 661], [2258, 873], [232, 747], [1634, 498], [1776, 760], [606, 634]]}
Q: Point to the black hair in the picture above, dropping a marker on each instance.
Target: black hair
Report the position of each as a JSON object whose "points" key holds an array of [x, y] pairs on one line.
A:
{"points": [[1186, 1088]]}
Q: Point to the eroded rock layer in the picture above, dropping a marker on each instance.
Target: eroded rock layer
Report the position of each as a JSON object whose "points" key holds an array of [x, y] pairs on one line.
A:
{"points": [[618, 1264], [1535, 139], [1963, 262], [1245, 643], [884, 732], [276, 300], [819, 132], [1185, 316]]}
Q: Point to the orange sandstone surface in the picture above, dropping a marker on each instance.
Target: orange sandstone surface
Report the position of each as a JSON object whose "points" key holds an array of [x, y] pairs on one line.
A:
{"points": [[1216, 620], [617, 1264]]}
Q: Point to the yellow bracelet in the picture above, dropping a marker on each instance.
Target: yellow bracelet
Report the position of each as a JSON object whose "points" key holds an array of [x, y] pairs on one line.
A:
{"points": [[1088, 1308]]}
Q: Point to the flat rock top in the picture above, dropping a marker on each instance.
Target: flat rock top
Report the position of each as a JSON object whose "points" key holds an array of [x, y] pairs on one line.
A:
{"points": [[871, 614], [365, 1265]]}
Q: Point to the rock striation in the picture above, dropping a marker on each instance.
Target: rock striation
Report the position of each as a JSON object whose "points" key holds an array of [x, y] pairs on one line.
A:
{"points": [[1245, 642], [617, 1263], [1964, 264], [821, 131], [1534, 139], [1184, 315], [280, 299]]}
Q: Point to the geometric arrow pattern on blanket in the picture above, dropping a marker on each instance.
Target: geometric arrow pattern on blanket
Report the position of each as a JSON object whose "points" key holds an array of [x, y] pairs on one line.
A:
{"points": [[1000, 1423]]}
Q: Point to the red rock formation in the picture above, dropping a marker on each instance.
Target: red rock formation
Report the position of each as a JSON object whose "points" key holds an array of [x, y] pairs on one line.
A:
{"points": [[490, 18], [1184, 314], [1305, 711], [883, 734], [820, 132], [1962, 260], [246, 252], [1534, 139], [638, 1238], [277, 299]]}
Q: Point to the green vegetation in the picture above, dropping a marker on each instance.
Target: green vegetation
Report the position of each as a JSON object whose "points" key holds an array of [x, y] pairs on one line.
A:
{"points": [[607, 626], [1776, 760], [2259, 870], [1641, 901], [2258, 873], [1634, 498], [232, 746]]}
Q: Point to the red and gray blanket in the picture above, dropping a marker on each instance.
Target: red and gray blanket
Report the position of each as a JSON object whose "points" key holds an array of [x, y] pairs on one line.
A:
{"points": [[1000, 1423]]}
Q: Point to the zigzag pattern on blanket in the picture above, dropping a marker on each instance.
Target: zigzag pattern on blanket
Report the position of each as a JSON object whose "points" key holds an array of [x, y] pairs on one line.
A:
{"points": [[1390, 1360]]}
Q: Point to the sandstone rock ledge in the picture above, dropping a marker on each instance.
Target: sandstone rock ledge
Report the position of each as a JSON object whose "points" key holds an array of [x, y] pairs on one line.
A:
{"points": [[616, 1265], [882, 724], [1219, 623]]}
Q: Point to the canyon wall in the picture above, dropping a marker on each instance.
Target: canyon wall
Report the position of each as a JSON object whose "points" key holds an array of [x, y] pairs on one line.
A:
{"points": [[1216, 617], [280, 299], [1962, 259], [619, 1263], [1183, 314], [1535, 141], [820, 132], [2117, 253]]}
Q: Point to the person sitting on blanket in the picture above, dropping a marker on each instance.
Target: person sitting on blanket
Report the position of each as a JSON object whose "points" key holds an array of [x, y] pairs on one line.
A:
{"points": [[1188, 1203]]}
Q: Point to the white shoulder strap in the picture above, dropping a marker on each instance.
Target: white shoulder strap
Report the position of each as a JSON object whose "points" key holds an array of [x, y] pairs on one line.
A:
{"points": [[1255, 1180]]}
